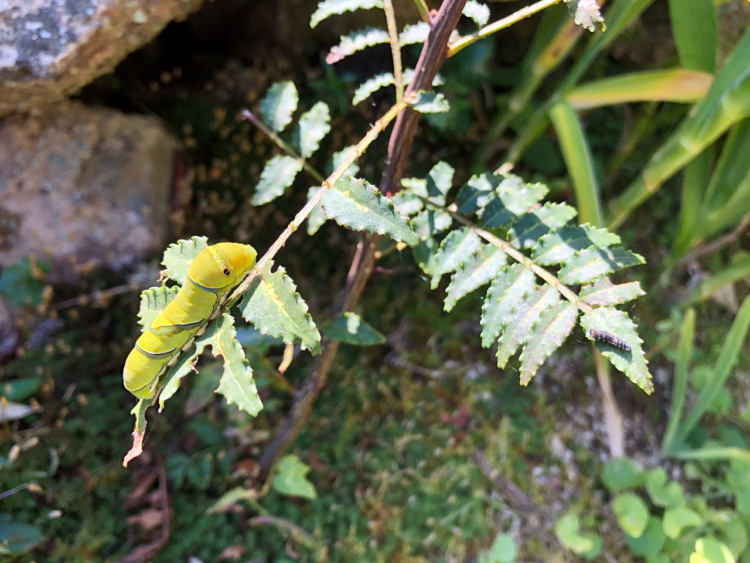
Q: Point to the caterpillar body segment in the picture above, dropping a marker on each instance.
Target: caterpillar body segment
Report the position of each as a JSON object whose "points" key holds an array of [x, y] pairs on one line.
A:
{"points": [[212, 275]]}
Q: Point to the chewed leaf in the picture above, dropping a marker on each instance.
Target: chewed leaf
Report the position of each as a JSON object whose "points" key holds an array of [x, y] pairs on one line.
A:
{"points": [[351, 329], [329, 8], [430, 222], [278, 174], [604, 293], [478, 270], [153, 302], [185, 364], [278, 105], [313, 126], [178, 256], [355, 42], [591, 263], [556, 248], [546, 336], [355, 204], [273, 305], [439, 182], [617, 324], [237, 384]]}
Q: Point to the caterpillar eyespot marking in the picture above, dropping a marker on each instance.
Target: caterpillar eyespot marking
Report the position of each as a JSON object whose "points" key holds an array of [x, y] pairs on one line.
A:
{"points": [[610, 339], [213, 273]]}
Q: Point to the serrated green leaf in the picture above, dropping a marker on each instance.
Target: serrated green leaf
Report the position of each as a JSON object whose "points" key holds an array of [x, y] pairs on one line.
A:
{"points": [[329, 8], [558, 247], [355, 42], [372, 85], [351, 329], [273, 305], [278, 174], [677, 519], [339, 157], [455, 249], [358, 205], [587, 265], [633, 364], [317, 216], [632, 514], [430, 222], [439, 182], [604, 293], [507, 290], [413, 34], [530, 227], [424, 255], [525, 314], [545, 336], [477, 192], [178, 256], [513, 199], [153, 302], [406, 203], [313, 126], [237, 384], [480, 268], [290, 478], [172, 378], [278, 105], [477, 12], [431, 102]]}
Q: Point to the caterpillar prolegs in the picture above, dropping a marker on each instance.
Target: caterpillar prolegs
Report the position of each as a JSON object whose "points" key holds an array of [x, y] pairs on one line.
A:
{"points": [[213, 273]]}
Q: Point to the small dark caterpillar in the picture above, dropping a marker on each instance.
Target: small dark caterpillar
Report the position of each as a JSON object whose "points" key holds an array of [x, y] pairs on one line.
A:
{"points": [[610, 339]]}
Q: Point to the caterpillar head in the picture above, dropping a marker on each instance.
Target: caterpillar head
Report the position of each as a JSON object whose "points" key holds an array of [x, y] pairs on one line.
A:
{"points": [[222, 265]]}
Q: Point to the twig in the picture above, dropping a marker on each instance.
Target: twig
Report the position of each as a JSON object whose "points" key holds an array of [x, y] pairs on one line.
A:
{"points": [[398, 75], [432, 57], [488, 30], [283, 145]]}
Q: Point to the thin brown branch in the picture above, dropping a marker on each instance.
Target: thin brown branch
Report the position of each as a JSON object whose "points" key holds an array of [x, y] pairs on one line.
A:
{"points": [[432, 57]]}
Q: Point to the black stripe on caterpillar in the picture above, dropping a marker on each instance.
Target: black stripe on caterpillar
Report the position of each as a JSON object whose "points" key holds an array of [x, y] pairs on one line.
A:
{"points": [[610, 339]]}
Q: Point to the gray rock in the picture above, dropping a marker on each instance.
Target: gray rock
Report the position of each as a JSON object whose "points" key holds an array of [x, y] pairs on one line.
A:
{"points": [[84, 187], [52, 48]]}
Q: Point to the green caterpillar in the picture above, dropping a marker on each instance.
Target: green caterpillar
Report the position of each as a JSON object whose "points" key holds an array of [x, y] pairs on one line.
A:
{"points": [[213, 273]]}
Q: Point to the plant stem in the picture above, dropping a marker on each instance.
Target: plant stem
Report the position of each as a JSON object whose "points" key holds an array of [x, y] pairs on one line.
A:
{"points": [[398, 75], [432, 57], [488, 30]]}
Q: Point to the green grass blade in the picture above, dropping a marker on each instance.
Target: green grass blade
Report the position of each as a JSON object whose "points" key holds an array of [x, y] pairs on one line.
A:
{"points": [[713, 454], [684, 353], [695, 33], [726, 103], [578, 160], [722, 370], [740, 269], [673, 85], [697, 175]]}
